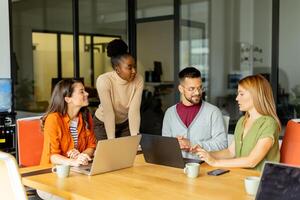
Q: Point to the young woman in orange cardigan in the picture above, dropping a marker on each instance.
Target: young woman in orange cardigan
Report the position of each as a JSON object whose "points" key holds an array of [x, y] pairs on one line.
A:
{"points": [[68, 126]]}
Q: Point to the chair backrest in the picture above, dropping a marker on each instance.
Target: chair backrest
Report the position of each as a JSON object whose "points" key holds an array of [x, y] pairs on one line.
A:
{"points": [[226, 119], [290, 148], [10, 182], [230, 137], [30, 141]]}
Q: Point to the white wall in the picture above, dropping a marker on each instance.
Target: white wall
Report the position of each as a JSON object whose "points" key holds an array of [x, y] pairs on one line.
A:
{"points": [[262, 31], [246, 21], [155, 42], [217, 50], [289, 44], [232, 22], [4, 40]]}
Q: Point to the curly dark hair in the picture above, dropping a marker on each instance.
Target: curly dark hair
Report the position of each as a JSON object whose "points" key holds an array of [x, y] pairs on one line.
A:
{"points": [[116, 50]]}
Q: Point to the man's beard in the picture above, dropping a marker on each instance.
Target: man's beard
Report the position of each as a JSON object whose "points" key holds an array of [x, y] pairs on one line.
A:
{"points": [[195, 99]]}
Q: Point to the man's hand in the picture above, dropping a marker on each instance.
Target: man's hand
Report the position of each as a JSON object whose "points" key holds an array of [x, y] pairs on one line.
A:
{"points": [[184, 143]]}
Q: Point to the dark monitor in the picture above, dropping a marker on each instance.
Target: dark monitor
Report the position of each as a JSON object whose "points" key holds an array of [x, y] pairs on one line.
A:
{"points": [[5, 94], [279, 182], [233, 80], [156, 76]]}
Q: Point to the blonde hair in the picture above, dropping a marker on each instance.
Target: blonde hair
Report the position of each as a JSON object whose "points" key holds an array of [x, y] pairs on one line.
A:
{"points": [[261, 92]]}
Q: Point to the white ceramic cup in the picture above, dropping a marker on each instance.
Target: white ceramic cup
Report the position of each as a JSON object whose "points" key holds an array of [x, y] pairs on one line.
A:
{"points": [[192, 170], [62, 171], [251, 184]]}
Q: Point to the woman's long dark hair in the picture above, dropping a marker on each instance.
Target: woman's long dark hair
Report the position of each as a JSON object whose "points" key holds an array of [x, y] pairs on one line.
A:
{"points": [[62, 89]]}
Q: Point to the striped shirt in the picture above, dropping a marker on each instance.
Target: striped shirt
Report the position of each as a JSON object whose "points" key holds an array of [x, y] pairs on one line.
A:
{"points": [[74, 131]]}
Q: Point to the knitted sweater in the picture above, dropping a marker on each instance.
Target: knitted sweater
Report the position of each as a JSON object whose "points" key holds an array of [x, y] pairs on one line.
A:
{"points": [[207, 129], [120, 100]]}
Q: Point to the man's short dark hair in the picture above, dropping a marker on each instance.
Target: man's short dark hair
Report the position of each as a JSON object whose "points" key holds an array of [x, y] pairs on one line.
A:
{"points": [[189, 72]]}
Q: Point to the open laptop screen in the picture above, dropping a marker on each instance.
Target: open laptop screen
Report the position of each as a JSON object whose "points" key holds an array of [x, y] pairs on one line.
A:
{"points": [[163, 150], [279, 182]]}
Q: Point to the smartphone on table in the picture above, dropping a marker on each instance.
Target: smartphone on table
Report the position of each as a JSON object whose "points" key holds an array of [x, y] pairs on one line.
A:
{"points": [[218, 172]]}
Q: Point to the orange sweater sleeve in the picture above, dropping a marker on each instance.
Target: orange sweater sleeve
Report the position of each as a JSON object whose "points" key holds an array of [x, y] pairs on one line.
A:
{"points": [[52, 131], [51, 143]]}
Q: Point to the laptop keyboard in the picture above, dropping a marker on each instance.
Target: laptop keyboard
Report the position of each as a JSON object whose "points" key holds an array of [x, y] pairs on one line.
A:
{"points": [[85, 167]]}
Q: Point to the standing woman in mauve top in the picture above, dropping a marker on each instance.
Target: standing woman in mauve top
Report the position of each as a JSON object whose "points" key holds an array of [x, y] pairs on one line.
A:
{"points": [[120, 93]]}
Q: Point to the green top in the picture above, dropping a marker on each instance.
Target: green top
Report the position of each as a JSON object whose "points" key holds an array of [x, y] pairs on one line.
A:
{"points": [[264, 126]]}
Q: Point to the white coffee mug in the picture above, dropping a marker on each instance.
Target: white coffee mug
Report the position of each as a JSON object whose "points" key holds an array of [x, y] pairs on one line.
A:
{"points": [[251, 184], [191, 170], [62, 171]]}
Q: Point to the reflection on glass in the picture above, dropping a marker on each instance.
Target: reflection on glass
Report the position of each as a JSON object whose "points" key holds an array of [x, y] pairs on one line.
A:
{"points": [[67, 55], [194, 49], [35, 53], [289, 83], [85, 59], [44, 69]]}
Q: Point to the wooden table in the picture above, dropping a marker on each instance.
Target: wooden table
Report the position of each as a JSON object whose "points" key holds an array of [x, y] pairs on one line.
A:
{"points": [[144, 181]]}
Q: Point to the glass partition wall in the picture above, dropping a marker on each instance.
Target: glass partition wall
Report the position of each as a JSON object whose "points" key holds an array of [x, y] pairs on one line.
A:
{"points": [[156, 44], [240, 42], [45, 62], [289, 44], [194, 40], [225, 39], [43, 45]]}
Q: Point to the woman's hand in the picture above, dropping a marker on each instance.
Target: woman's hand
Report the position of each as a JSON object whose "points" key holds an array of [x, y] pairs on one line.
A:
{"points": [[83, 159], [195, 149], [73, 153], [204, 155]]}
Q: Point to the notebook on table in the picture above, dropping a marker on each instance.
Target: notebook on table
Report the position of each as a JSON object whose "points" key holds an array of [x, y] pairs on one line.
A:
{"points": [[163, 150], [279, 182], [112, 154]]}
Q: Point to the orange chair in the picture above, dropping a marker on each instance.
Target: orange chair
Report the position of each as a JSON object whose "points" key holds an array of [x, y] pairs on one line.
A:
{"points": [[290, 149], [30, 141]]}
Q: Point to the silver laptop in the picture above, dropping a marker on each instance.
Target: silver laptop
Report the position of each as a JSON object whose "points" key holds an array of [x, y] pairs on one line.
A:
{"points": [[279, 182], [112, 154]]}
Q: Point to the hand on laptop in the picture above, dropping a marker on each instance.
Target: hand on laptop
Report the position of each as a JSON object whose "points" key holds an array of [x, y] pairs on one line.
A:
{"points": [[184, 143], [195, 149], [73, 153], [204, 155], [83, 159]]}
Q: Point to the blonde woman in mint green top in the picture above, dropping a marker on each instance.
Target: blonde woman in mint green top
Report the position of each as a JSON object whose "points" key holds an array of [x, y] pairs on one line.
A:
{"points": [[256, 133]]}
